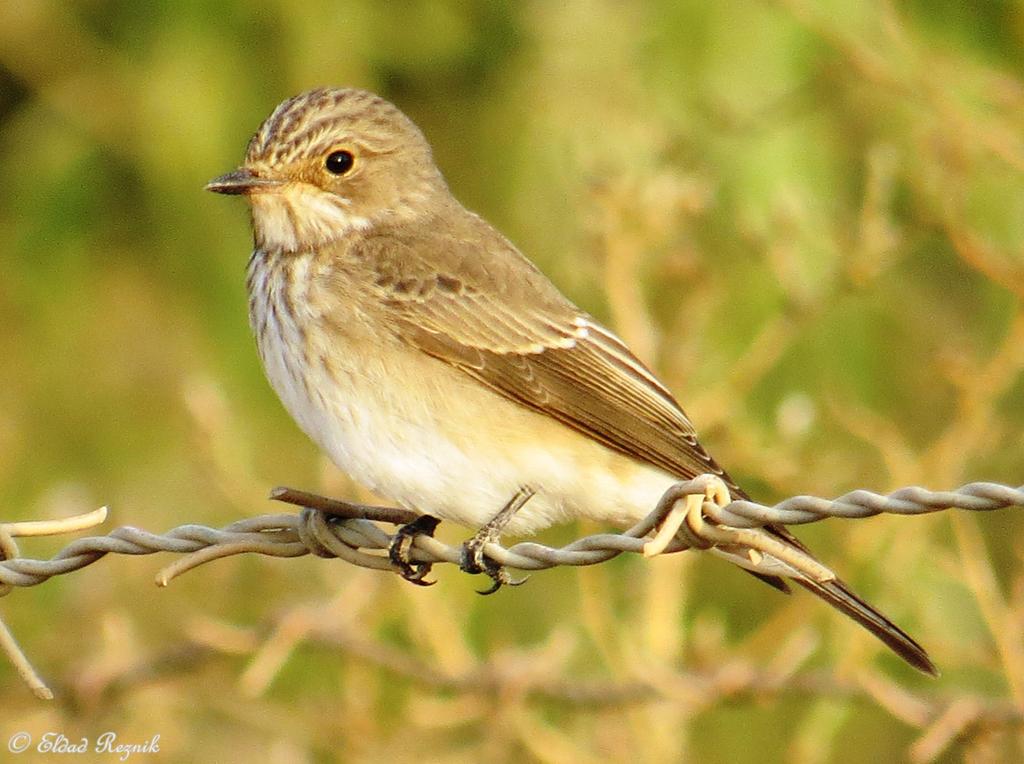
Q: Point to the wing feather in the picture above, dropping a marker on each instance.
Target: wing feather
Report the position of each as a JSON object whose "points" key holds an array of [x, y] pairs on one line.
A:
{"points": [[514, 332], [503, 323]]}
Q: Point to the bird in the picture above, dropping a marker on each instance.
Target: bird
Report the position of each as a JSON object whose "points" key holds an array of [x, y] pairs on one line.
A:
{"points": [[439, 367]]}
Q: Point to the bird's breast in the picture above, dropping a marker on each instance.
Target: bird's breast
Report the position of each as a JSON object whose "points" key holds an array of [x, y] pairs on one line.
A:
{"points": [[316, 348], [416, 430], [381, 410]]}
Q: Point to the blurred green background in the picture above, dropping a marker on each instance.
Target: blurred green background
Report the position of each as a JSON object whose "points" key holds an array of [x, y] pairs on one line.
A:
{"points": [[809, 217]]}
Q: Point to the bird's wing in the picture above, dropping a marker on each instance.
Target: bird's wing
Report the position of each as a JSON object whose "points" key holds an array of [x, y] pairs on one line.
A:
{"points": [[505, 325], [502, 322]]}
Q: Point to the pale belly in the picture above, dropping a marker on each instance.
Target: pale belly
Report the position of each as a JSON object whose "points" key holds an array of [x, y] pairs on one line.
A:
{"points": [[427, 436]]}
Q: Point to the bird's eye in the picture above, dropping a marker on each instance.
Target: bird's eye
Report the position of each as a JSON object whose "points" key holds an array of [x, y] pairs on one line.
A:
{"points": [[339, 162]]}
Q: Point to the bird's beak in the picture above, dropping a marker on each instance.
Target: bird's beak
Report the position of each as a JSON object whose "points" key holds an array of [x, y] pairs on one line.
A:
{"points": [[241, 181]]}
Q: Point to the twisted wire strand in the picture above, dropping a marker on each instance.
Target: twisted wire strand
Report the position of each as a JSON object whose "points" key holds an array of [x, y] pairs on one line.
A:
{"points": [[692, 514], [331, 528]]}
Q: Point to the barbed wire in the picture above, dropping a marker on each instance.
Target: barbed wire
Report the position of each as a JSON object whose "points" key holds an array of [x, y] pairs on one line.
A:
{"points": [[332, 528], [691, 514]]}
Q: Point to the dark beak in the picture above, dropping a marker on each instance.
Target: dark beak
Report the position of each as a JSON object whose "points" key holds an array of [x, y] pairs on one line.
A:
{"points": [[241, 181]]}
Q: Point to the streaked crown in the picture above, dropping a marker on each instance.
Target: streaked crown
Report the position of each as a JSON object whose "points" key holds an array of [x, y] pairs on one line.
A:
{"points": [[315, 121]]}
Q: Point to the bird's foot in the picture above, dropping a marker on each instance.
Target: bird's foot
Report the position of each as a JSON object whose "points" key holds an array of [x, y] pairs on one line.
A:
{"points": [[475, 561], [401, 546], [473, 558]]}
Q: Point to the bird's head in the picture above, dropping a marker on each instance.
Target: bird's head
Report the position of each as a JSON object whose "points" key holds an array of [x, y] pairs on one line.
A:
{"points": [[331, 161]]}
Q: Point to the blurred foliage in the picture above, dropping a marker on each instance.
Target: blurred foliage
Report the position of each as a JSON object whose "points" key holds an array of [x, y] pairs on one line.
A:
{"points": [[808, 216]]}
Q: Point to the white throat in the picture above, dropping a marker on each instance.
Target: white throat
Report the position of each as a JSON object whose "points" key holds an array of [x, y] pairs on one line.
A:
{"points": [[301, 217]]}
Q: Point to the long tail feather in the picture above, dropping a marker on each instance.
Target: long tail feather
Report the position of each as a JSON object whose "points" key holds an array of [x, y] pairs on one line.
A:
{"points": [[840, 596], [837, 594]]}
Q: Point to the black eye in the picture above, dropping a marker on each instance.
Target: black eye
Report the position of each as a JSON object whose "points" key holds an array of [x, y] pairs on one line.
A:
{"points": [[339, 162]]}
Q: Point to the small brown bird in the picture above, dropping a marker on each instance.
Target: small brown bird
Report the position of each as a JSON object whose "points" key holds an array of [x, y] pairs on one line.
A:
{"points": [[436, 365]]}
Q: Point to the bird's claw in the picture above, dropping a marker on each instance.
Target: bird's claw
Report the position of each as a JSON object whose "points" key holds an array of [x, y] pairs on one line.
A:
{"points": [[475, 561], [401, 546]]}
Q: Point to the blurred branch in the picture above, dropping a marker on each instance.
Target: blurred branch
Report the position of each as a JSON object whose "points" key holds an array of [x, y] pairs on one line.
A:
{"points": [[942, 719]]}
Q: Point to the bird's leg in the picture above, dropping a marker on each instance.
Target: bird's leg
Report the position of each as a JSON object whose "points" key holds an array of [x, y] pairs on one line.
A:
{"points": [[401, 545], [473, 558]]}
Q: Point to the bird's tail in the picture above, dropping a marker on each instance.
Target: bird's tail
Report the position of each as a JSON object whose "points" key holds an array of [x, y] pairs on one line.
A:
{"points": [[837, 594], [842, 598]]}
